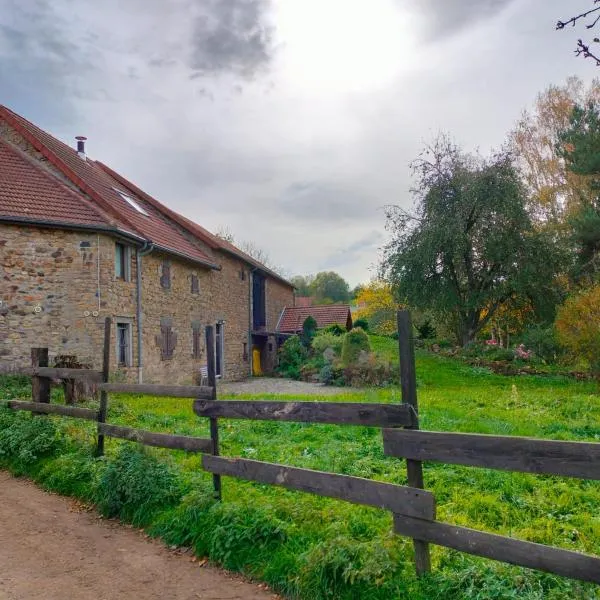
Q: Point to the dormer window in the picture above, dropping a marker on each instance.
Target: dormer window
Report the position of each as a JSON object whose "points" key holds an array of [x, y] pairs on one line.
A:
{"points": [[131, 202]]}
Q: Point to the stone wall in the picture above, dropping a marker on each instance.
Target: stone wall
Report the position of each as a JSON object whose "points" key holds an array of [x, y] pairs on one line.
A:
{"points": [[49, 280], [57, 287]]}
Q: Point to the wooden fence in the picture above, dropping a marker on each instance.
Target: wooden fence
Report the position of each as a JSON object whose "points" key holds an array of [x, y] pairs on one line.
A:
{"points": [[412, 506]]}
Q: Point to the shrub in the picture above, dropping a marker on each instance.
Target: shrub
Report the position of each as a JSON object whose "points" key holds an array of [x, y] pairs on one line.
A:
{"points": [[325, 340], [332, 374], [355, 342], [135, 486], [291, 357], [15, 386], [362, 323], [309, 330], [577, 326], [544, 343], [372, 370], [25, 438], [336, 329], [426, 330]]}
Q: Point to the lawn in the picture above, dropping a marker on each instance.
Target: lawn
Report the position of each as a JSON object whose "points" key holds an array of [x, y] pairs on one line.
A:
{"points": [[311, 547]]}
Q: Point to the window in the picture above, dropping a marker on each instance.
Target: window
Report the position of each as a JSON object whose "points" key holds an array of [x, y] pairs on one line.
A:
{"points": [[195, 284], [219, 349], [131, 202], [124, 354], [165, 274], [167, 339], [243, 275], [122, 261], [196, 340]]}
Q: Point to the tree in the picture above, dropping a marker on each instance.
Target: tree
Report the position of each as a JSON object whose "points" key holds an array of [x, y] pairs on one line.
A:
{"points": [[579, 146], [591, 17], [377, 305], [578, 327], [329, 286], [470, 247], [302, 284], [554, 190]]}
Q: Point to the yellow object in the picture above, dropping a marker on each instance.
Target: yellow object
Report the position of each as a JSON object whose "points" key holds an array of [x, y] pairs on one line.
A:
{"points": [[256, 368]]}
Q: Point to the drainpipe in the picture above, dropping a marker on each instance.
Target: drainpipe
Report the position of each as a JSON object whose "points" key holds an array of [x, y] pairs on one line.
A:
{"points": [[143, 251], [250, 320]]}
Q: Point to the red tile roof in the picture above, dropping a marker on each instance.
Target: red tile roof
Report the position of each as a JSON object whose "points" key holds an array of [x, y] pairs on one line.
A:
{"points": [[94, 199], [210, 239], [29, 192], [293, 317], [99, 186]]}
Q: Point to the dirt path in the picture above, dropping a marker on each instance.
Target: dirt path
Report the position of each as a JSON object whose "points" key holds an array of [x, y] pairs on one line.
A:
{"points": [[51, 550]]}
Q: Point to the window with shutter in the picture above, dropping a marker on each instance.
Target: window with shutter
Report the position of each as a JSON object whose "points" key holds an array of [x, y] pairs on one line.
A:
{"points": [[165, 274], [196, 340], [167, 339]]}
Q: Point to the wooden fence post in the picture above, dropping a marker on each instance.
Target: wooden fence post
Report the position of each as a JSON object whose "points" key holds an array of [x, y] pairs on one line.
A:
{"points": [[408, 381], [212, 382], [40, 386], [103, 395]]}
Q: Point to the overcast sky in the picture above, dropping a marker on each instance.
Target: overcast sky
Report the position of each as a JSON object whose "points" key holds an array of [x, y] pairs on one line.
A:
{"points": [[291, 122]]}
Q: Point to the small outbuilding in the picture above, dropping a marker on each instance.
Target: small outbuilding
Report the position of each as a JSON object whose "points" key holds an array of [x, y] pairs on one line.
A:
{"points": [[292, 317]]}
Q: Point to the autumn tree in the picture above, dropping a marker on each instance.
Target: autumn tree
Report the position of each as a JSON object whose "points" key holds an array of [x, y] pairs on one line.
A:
{"points": [[578, 327], [554, 191], [377, 305], [470, 245]]}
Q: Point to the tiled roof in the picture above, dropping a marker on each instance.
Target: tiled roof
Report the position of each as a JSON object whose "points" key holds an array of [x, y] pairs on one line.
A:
{"points": [[293, 317], [210, 239], [95, 186], [99, 186], [29, 192]]}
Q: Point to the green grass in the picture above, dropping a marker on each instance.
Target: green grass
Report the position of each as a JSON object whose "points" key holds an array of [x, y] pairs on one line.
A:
{"points": [[311, 547]]}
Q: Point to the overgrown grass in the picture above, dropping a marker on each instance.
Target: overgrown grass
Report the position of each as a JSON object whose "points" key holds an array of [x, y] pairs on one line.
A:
{"points": [[311, 547]]}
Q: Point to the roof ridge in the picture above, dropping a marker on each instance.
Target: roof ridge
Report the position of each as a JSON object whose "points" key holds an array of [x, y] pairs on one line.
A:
{"points": [[13, 120], [179, 219], [214, 241], [49, 175]]}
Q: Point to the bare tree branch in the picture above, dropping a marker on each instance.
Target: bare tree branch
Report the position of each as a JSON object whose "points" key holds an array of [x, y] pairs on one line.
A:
{"points": [[583, 49]]}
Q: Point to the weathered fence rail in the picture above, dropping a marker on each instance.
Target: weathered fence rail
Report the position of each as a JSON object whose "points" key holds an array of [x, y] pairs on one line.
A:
{"points": [[412, 506]]}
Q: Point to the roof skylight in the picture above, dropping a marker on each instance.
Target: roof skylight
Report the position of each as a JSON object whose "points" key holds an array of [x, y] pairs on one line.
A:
{"points": [[131, 202]]}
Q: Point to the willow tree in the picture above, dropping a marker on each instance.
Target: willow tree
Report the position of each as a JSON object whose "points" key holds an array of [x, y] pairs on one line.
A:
{"points": [[469, 247]]}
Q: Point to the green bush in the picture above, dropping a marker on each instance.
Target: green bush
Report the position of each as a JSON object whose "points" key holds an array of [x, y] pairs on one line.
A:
{"points": [[324, 340], [544, 343], [371, 371], [309, 330], [15, 386], [292, 355], [426, 330], [135, 486], [355, 342], [362, 323], [335, 328], [25, 439]]}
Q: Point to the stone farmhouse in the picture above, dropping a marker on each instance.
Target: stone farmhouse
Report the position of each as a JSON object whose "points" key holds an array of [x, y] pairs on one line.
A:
{"points": [[79, 242]]}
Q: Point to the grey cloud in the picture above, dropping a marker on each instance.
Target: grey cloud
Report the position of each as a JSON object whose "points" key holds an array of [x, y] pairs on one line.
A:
{"points": [[445, 18], [232, 36], [353, 252], [317, 200]]}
